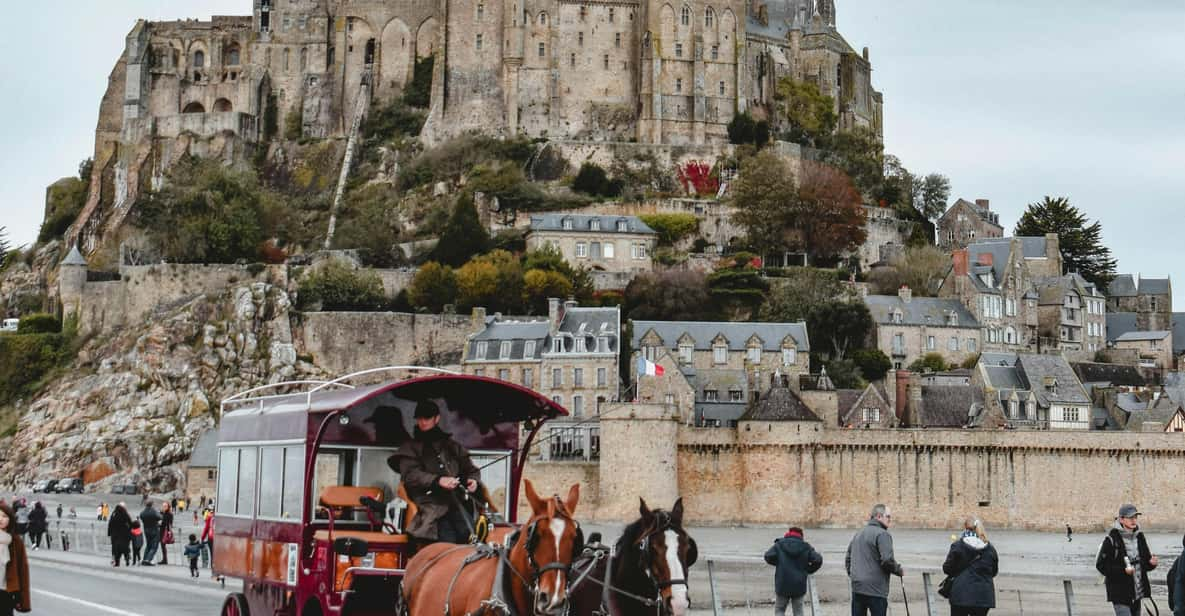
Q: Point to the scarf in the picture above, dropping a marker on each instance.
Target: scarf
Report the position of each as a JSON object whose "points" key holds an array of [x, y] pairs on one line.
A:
{"points": [[431, 436], [5, 549]]}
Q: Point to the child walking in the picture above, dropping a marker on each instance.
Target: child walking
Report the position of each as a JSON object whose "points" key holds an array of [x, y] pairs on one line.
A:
{"points": [[192, 551], [137, 541]]}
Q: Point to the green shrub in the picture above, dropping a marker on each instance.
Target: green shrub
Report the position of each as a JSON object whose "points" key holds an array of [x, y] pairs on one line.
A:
{"points": [[433, 286], [25, 360], [671, 227], [873, 363], [418, 92], [930, 362], [294, 123], [456, 157], [592, 180], [63, 204], [392, 120], [743, 129], [337, 287], [39, 323]]}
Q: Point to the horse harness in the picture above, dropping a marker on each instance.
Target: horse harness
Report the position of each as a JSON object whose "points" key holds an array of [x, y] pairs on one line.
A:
{"points": [[597, 552]]}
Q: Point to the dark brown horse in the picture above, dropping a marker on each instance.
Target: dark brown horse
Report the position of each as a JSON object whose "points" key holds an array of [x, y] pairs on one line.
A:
{"points": [[647, 570], [445, 579]]}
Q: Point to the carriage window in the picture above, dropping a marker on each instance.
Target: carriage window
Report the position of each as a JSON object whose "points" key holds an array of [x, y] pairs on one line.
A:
{"points": [[334, 467], [293, 481], [248, 469], [271, 481], [495, 476], [228, 474], [373, 471]]}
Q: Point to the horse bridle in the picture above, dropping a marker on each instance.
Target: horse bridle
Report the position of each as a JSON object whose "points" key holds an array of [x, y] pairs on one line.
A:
{"points": [[661, 525]]}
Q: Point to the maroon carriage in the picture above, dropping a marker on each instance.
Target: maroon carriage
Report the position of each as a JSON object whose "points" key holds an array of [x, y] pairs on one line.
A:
{"points": [[299, 475]]}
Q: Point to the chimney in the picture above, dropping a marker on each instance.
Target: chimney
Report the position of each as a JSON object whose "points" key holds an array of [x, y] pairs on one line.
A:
{"points": [[914, 408], [477, 319], [986, 258], [866, 54], [983, 204], [960, 259], [554, 314], [902, 397], [905, 293], [1053, 251]]}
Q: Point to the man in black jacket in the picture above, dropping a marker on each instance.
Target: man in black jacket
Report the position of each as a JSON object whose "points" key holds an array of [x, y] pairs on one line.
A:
{"points": [[431, 467], [150, 520], [1125, 560], [795, 560]]}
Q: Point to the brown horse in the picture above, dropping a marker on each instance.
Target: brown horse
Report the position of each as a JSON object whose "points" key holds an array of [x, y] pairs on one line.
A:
{"points": [[445, 579], [648, 569]]}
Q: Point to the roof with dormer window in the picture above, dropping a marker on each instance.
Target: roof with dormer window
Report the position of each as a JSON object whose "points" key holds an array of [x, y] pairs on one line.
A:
{"points": [[582, 223]]}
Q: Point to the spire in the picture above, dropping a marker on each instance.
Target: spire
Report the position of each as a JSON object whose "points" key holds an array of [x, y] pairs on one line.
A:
{"points": [[74, 258]]}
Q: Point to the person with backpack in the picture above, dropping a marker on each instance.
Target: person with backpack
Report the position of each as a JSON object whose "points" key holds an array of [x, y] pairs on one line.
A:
{"points": [[1125, 560], [971, 565], [1176, 584], [795, 559]]}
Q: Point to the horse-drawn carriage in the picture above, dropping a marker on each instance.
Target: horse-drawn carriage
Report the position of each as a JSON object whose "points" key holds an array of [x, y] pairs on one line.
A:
{"points": [[311, 517]]}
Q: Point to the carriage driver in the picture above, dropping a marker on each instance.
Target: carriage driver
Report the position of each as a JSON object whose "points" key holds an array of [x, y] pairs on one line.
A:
{"points": [[431, 466]]}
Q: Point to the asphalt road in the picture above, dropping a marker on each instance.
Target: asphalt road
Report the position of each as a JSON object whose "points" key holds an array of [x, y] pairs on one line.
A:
{"points": [[68, 590]]}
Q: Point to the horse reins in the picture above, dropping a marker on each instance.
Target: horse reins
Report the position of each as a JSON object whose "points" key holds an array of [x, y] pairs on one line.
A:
{"points": [[661, 525]]}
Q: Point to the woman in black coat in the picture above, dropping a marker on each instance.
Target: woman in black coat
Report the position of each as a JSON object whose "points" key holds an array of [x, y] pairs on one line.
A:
{"points": [[38, 524], [972, 562], [119, 529], [166, 532]]}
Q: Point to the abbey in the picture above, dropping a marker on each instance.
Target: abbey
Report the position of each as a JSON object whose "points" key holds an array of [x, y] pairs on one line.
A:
{"points": [[667, 72]]}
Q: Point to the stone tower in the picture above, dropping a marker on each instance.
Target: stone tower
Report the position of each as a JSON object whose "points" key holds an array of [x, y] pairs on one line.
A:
{"points": [[72, 282]]}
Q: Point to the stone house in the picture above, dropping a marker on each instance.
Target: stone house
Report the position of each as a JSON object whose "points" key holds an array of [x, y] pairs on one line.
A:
{"points": [[943, 400], [571, 357], [1030, 390], [1154, 349], [613, 248], [1150, 299], [866, 408], [726, 364], [1071, 317], [995, 279], [965, 223], [779, 403], [905, 328], [201, 475]]}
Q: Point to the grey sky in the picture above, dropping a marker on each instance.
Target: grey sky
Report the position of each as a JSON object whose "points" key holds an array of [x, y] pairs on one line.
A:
{"points": [[1012, 99]]}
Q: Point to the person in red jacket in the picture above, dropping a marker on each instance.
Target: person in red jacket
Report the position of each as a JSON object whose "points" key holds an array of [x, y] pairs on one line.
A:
{"points": [[208, 533]]}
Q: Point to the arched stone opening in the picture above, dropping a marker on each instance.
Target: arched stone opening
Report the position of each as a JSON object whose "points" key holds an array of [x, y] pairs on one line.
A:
{"points": [[223, 105], [194, 107]]}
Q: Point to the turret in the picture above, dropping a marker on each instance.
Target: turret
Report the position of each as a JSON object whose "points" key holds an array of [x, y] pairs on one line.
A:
{"points": [[72, 282]]}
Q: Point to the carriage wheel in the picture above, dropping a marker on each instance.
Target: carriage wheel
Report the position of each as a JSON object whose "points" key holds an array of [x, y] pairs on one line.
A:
{"points": [[235, 605]]}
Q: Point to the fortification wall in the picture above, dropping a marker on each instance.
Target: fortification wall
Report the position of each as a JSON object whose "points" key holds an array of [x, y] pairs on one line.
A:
{"points": [[343, 342], [792, 472]]}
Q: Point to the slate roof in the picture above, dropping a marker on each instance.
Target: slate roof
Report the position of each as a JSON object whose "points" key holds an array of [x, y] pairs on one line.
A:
{"points": [[582, 223], [779, 404], [1160, 413], [1154, 286], [74, 258], [205, 452], [591, 322], [1119, 375], [781, 17], [948, 406], [737, 334], [1119, 323], [930, 311], [1122, 285], [1174, 386], [1029, 373], [1000, 248], [1178, 325], [1157, 334]]}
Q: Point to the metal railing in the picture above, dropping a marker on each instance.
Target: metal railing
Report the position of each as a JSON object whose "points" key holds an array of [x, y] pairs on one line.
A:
{"points": [[89, 536], [571, 442]]}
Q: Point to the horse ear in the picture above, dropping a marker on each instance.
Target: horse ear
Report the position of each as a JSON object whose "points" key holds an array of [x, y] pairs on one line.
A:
{"points": [[537, 503], [573, 499], [643, 509], [677, 512]]}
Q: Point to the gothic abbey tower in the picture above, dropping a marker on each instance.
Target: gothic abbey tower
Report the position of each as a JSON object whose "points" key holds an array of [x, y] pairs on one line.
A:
{"points": [[648, 71]]}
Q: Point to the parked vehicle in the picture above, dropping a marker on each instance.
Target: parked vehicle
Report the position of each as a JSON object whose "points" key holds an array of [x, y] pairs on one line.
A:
{"points": [[45, 485], [123, 488], [68, 485], [303, 479], [10, 325]]}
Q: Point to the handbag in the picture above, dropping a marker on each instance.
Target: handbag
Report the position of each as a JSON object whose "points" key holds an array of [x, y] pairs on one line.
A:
{"points": [[948, 583], [167, 538]]}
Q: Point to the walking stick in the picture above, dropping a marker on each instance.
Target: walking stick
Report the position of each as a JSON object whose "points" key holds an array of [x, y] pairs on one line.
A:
{"points": [[903, 597]]}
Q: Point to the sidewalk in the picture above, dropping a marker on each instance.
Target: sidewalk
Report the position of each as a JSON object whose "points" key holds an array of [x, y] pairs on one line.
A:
{"points": [[175, 573]]}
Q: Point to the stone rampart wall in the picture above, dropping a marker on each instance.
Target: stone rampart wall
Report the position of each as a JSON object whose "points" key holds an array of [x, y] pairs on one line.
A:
{"points": [[344, 342]]}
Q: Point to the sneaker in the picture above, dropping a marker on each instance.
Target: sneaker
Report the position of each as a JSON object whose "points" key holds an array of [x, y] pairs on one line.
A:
{"points": [[146, 564]]}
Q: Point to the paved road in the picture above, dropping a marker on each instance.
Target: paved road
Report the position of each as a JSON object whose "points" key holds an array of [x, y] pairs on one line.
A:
{"points": [[71, 590]]}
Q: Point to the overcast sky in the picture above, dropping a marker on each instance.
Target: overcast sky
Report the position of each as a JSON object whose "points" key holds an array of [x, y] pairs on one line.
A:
{"points": [[1012, 99]]}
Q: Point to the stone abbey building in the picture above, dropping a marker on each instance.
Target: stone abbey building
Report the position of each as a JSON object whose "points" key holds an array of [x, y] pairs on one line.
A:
{"points": [[647, 71]]}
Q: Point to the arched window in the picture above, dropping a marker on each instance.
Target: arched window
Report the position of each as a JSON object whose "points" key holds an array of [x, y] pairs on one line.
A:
{"points": [[481, 11], [199, 59], [304, 59], [583, 12], [709, 17], [231, 58], [1009, 335], [543, 19], [194, 107], [287, 59], [685, 16], [223, 105]]}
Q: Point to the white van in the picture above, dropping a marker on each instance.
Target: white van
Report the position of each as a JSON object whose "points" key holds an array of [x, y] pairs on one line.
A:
{"points": [[10, 325]]}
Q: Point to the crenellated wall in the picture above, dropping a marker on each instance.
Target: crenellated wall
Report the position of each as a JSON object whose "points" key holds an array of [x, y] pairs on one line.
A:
{"points": [[795, 472]]}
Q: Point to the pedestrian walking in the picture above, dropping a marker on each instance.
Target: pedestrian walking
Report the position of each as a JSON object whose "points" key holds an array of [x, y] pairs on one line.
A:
{"points": [[795, 559], [1069, 533], [119, 530], [166, 532], [192, 551], [38, 524], [1125, 560], [59, 511], [869, 562], [150, 520], [195, 517], [137, 541], [22, 517], [73, 513], [106, 511], [99, 511], [1176, 584], [972, 564], [208, 534], [15, 564]]}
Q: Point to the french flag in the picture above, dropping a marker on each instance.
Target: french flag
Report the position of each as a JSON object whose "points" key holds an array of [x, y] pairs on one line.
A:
{"points": [[648, 368]]}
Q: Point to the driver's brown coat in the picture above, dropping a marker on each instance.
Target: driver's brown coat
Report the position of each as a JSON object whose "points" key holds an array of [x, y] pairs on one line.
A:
{"points": [[420, 464]]}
